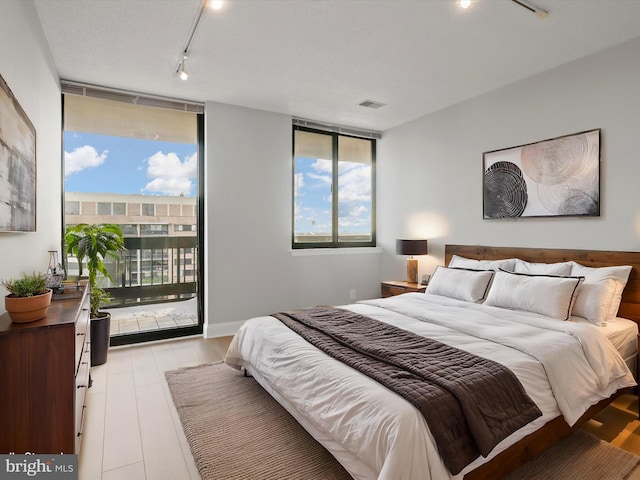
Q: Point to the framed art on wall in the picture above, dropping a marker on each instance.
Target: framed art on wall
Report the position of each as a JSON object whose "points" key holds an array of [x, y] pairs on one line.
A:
{"points": [[17, 165], [550, 178]]}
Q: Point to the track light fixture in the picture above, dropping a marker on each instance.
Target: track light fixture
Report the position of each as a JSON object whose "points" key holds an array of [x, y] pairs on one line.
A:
{"points": [[541, 12], [182, 70]]}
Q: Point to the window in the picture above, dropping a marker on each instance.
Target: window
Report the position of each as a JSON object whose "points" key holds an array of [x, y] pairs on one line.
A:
{"points": [[119, 208], [128, 158], [184, 228], [324, 216], [104, 208], [154, 229], [128, 229], [71, 207], [148, 209]]}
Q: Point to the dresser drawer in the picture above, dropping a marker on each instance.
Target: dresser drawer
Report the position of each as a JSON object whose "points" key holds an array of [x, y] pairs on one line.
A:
{"points": [[391, 288], [40, 403], [389, 291], [82, 384], [82, 329]]}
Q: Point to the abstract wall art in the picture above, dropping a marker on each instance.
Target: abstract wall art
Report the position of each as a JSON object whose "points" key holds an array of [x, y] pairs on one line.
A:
{"points": [[17, 165], [550, 178]]}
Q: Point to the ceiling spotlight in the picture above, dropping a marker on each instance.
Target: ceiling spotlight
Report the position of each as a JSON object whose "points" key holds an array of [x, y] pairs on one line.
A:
{"points": [[182, 71], [465, 3], [215, 4]]}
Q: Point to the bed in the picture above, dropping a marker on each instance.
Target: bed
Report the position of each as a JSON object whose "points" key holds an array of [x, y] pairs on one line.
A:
{"points": [[375, 433]]}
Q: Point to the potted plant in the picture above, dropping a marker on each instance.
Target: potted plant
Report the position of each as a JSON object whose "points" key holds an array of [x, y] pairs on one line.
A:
{"points": [[28, 299], [94, 243]]}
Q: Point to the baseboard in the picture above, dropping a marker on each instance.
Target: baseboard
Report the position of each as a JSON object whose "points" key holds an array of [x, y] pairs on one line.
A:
{"points": [[213, 330]]}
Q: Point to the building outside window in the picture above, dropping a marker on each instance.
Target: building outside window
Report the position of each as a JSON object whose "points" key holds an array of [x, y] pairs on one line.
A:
{"points": [[119, 208], [148, 209], [104, 208], [71, 207], [154, 229], [129, 230]]}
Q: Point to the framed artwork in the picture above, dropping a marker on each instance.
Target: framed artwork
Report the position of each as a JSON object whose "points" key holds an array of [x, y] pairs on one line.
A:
{"points": [[17, 165], [550, 178]]}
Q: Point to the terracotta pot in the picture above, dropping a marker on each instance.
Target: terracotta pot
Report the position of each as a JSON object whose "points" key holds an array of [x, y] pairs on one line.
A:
{"points": [[27, 309]]}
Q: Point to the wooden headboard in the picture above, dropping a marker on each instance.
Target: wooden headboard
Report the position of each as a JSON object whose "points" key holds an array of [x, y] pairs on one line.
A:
{"points": [[630, 306]]}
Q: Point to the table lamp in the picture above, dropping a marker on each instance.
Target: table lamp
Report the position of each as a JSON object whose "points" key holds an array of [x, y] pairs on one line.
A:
{"points": [[411, 248]]}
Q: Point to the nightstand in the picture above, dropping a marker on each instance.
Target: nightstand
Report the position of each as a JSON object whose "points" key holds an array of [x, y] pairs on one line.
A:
{"points": [[389, 289]]}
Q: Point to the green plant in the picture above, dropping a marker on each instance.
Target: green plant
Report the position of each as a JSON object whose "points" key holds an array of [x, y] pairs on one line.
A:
{"points": [[94, 243], [27, 285]]}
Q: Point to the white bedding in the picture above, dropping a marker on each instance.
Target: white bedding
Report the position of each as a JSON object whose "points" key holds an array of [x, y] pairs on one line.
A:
{"points": [[564, 366], [623, 334]]}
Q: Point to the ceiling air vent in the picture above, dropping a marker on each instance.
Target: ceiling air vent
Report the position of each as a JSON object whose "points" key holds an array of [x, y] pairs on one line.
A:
{"points": [[371, 104]]}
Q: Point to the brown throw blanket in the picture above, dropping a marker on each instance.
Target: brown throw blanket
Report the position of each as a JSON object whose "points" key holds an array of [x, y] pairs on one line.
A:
{"points": [[470, 403]]}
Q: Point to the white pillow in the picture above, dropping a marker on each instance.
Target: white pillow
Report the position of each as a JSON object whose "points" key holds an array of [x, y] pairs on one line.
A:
{"points": [[600, 279], [594, 301], [544, 294], [463, 262], [460, 283], [561, 268]]}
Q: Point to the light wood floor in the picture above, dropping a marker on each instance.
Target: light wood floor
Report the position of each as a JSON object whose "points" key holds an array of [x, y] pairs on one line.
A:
{"points": [[132, 430]]}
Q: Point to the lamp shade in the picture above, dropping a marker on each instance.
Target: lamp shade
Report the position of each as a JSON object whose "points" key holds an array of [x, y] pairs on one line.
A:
{"points": [[411, 247]]}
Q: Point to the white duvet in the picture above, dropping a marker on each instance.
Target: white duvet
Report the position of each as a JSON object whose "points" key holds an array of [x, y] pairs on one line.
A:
{"points": [[565, 367]]}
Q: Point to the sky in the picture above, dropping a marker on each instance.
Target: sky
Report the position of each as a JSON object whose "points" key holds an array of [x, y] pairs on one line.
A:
{"points": [[313, 196], [109, 164]]}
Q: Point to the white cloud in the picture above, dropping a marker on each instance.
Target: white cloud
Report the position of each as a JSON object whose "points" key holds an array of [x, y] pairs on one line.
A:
{"points": [[81, 158], [322, 166], [169, 175], [169, 186], [358, 210], [344, 167], [354, 222], [322, 178], [298, 184], [355, 185]]}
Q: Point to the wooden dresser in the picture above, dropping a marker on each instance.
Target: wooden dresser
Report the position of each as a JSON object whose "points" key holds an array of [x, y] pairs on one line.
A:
{"points": [[44, 376]]}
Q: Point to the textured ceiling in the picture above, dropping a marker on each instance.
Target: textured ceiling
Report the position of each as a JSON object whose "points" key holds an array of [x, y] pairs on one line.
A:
{"points": [[319, 59]]}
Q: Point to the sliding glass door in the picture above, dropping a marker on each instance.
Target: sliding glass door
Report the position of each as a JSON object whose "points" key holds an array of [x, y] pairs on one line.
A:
{"points": [[137, 162]]}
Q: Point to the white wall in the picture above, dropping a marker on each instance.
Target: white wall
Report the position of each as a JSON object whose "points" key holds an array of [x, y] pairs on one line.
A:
{"points": [[430, 170], [27, 67], [251, 270], [429, 179]]}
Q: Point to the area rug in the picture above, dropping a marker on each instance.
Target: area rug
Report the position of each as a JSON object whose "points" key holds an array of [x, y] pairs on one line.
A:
{"points": [[237, 431]]}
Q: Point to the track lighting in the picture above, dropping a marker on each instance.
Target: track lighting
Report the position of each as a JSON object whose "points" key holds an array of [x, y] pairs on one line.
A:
{"points": [[215, 5], [541, 12], [182, 71]]}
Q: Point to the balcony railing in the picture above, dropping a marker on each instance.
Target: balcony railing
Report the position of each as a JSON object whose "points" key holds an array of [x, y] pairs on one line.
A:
{"points": [[152, 270]]}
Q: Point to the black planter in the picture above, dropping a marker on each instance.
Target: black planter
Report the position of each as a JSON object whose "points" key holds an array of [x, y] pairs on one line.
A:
{"points": [[100, 332]]}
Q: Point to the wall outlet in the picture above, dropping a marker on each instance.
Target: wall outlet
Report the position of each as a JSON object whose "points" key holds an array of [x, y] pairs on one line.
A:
{"points": [[352, 294]]}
